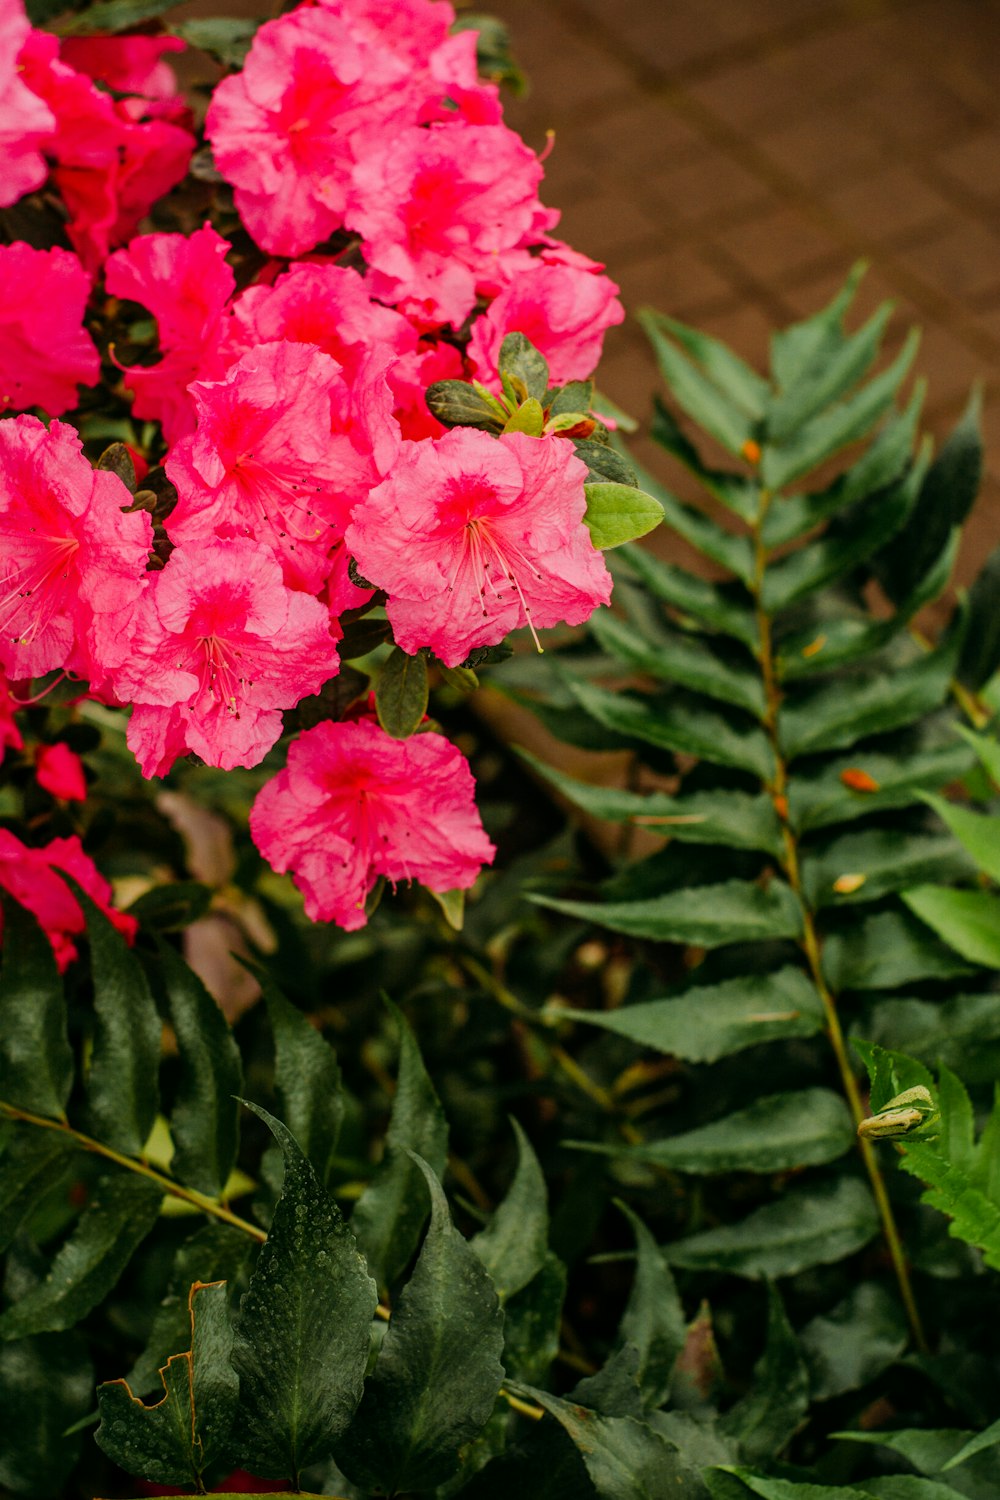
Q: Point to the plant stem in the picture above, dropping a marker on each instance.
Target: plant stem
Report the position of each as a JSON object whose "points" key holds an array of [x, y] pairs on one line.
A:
{"points": [[810, 943]]}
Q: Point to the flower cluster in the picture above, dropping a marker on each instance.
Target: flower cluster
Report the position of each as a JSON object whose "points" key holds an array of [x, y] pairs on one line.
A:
{"points": [[401, 239]]}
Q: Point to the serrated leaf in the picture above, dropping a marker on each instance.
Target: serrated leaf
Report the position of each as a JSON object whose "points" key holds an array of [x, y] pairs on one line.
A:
{"points": [[681, 658], [712, 1021], [617, 513], [889, 1073], [776, 1133], [968, 921], [401, 693], [706, 603], [734, 491], [730, 374], [810, 1226], [707, 916], [653, 1321], [438, 1370], [304, 1327], [763, 1422], [228, 38], [823, 797], [307, 1076], [175, 1440], [36, 1060], [33, 1163], [885, 951], [120, 1214], [46, 1385], [980, 656], [956, 1032], [203, 1122], [868, 864], [515, 1243], [455, 403], [532, 1319], [519, 360], [695, 391], [831, 372], [978, 833], [853, 1343], [390, 1213]]}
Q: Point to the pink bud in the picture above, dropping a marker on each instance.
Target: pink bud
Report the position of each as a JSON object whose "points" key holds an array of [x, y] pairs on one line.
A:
{"points": [[60, 772]]}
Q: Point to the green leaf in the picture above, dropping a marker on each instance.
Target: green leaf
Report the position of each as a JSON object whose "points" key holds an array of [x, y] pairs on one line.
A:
{"points": [[678, 724], [707, 916], [696, 392], [438, 1370], [653, 1321], [712, 1021], [532, 1319], [203, 1123], [390, 1213], [809, 344], [530, 418], [33, 1163], [171, 908], [838, 426], [708, 604], [114, 15], [889, 1073], [401, 693], [521, 362], [822, 797], [775, 1133], [35, 1056], [956, 1032], [605, 465], [617, 513], [851, 1345], [907, 1487], [735, 1484], [514, 1245], [120, 1214], [980, 657], [226, 37], [886, 859], [456, 403], [734, 491], [764, 1421], [737, 820], [832, 372], [968, 921], [734, 553], [726, 370], [187, 1430], [46, 1386], [308, 1079], [811, 1226], [987, 751], [304, 1329], [886, 951], [978, 833], [929, 1450], [979, 1444], [679, 657]]}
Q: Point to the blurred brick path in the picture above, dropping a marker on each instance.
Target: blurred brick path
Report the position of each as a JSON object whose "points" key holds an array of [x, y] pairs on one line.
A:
{"points": [[731, 160]]}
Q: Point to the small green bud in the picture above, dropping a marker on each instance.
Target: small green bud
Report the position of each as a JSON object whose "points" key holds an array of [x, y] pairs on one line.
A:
{"points": [[912, 1110]]}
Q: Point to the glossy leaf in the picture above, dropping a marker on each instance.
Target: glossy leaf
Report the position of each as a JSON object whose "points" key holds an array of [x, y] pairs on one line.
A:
{"points": [[809, 1226], [514, 1245], [681, 658], [734, 553], [120, 1214], [968, 921], [390, 1213], [764, 1420], [46, 1386], [456, 403], [33, 1163], [854, 1342], [401, 693], [203, 1122], [171, 908], [520, 361], [617, 513], [308, 1079], [438, 1370], [735, 491], [653, 1320], [708, 916], [36, 1062], [304, 1328]]}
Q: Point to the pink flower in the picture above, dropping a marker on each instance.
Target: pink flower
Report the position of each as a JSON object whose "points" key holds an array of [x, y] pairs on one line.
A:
{"points": [[472, 536], [221, 648], [186, 284], [283, 450], [442, 211], [25, 121], [354, 804], [127, 64], [562, 310], [45, 351], [10, 734], [59, 771], [409, 379], [72, 563], [31, 877], [286, 132]]}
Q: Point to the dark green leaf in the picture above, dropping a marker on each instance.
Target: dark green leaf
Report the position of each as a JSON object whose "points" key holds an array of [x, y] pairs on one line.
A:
{"points": [[821, 798], [33, 1163], [885, 951], [532, 1319], [438, 1371], [930, 1450], [226, 37], [362, 636], [604, 465], [738, 1484], [968, 921], [734, 553], [764, 1420], [696, 393], [907, 1487], [171, 908], [978, 833], [117, 459], [854, 1343], [980, 657], [455, 403], [694, 598], [46, 1386], [117, 1219], [809, 1226], [187, 1430], [304, 1329], [653, 1320], [884, 859], [573, 397], [401, 693], [810, 344], [514, 1245], [731, 376], [35, 1057], [114, 15], [308, 1079], [681, 658], [734, 491], [707, 916], [520, 361], [617, 513], [979, 1444], [333, 699], [832, 372], [390, 1213], [712, 1021], [956, 1032], [122, 1090]]}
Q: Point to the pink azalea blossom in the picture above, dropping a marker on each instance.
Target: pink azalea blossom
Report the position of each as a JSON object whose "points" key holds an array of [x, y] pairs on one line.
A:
{"points": [[25, 120], [444, 211], [472, 536], [10, 734], [562, 310], [72, 563], [186, 284], [45, 351], [127, 64], [409, 379], [32, 877], [60, 771], [284, 448], [286, 131], [354, 804], [222, 646]]}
